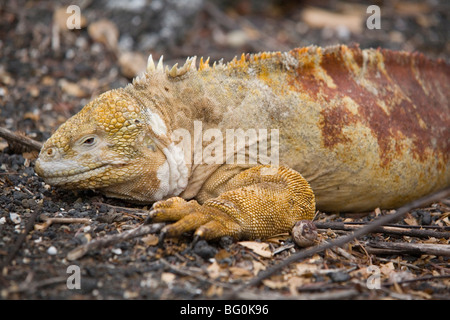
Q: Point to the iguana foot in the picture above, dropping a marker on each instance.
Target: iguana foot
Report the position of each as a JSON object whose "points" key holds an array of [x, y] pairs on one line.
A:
{"points": [[208, 222], [259, 202]]}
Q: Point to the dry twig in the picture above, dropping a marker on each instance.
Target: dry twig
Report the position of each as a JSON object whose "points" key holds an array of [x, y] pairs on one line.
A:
{"points": [[49, 221], [22, 140], [134, 210], [334, 294], [424, 278], [80, 251], [381, 247], [397, 230]]}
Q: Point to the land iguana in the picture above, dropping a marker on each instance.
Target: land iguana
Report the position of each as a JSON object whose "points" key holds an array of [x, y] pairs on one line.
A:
{"points": [[337, 128]]}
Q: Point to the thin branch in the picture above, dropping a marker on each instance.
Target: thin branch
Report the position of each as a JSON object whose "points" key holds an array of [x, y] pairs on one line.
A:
{"points": [[49, 221], [424, 278], [22, 140], [405, 226], [343, 239], [397, 230], [409, 248], [335, 294], [139, 211], [80, 251]]}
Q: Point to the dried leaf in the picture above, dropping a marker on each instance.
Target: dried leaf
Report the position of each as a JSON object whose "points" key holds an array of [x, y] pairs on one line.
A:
{"points": [[319, 18], [132, 64], [104, 31], [214, 291], [361, 272], [3, 145], [41, 226], [130, 294], [260, 248], [257, 267], [275, 284], [410, 220], [421, 294], [240, 272], [167, 277], [303, 268], [296, 282], [150, 240], [278, 238], [387, 268], [222, 254], [214, 270], [30, 155]]}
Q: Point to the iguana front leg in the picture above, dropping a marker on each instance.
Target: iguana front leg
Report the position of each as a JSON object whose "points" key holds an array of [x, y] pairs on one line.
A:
{"points": [[254, 204]]}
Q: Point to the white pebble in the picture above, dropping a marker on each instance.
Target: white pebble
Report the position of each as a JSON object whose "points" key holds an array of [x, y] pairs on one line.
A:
{"points": [[38, 240], [117, 251], [15, 217], [2, 220], [52, 251]]}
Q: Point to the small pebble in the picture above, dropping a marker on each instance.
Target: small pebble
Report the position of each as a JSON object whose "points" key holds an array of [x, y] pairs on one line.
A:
{"points": [[39, 240], [52, 251], [117, 251], [15, 217]]}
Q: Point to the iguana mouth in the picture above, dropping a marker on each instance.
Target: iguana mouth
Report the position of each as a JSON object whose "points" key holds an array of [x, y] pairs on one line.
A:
{"points": [[63, 176]]}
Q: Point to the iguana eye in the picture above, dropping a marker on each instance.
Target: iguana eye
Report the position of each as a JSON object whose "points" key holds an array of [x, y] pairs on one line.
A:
{"points": [[88, 141]]}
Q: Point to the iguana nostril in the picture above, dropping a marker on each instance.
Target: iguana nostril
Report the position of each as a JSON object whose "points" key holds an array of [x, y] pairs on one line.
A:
{"points": [[51, 152]]}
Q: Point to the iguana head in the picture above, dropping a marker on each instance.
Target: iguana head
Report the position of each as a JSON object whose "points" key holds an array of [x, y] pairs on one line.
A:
{"points": [[114, 145]]}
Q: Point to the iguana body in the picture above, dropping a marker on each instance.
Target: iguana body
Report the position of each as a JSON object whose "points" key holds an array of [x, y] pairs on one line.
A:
{"points": [[365, 128]]}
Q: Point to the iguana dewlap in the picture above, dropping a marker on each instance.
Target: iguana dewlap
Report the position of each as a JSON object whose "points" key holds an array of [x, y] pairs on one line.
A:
{"points": [[365, 128]]}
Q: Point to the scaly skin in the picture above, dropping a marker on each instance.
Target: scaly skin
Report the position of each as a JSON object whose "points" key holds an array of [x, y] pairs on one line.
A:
{"points": [[365, 128]]}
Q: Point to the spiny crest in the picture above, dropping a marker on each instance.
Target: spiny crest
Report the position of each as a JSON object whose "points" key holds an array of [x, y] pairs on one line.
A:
{"points": [[203, 65], [190, 64], [172, 72]]}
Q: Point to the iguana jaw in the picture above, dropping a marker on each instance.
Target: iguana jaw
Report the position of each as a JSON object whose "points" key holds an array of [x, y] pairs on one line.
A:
{"points": [[81, 167], [68, 172]]}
